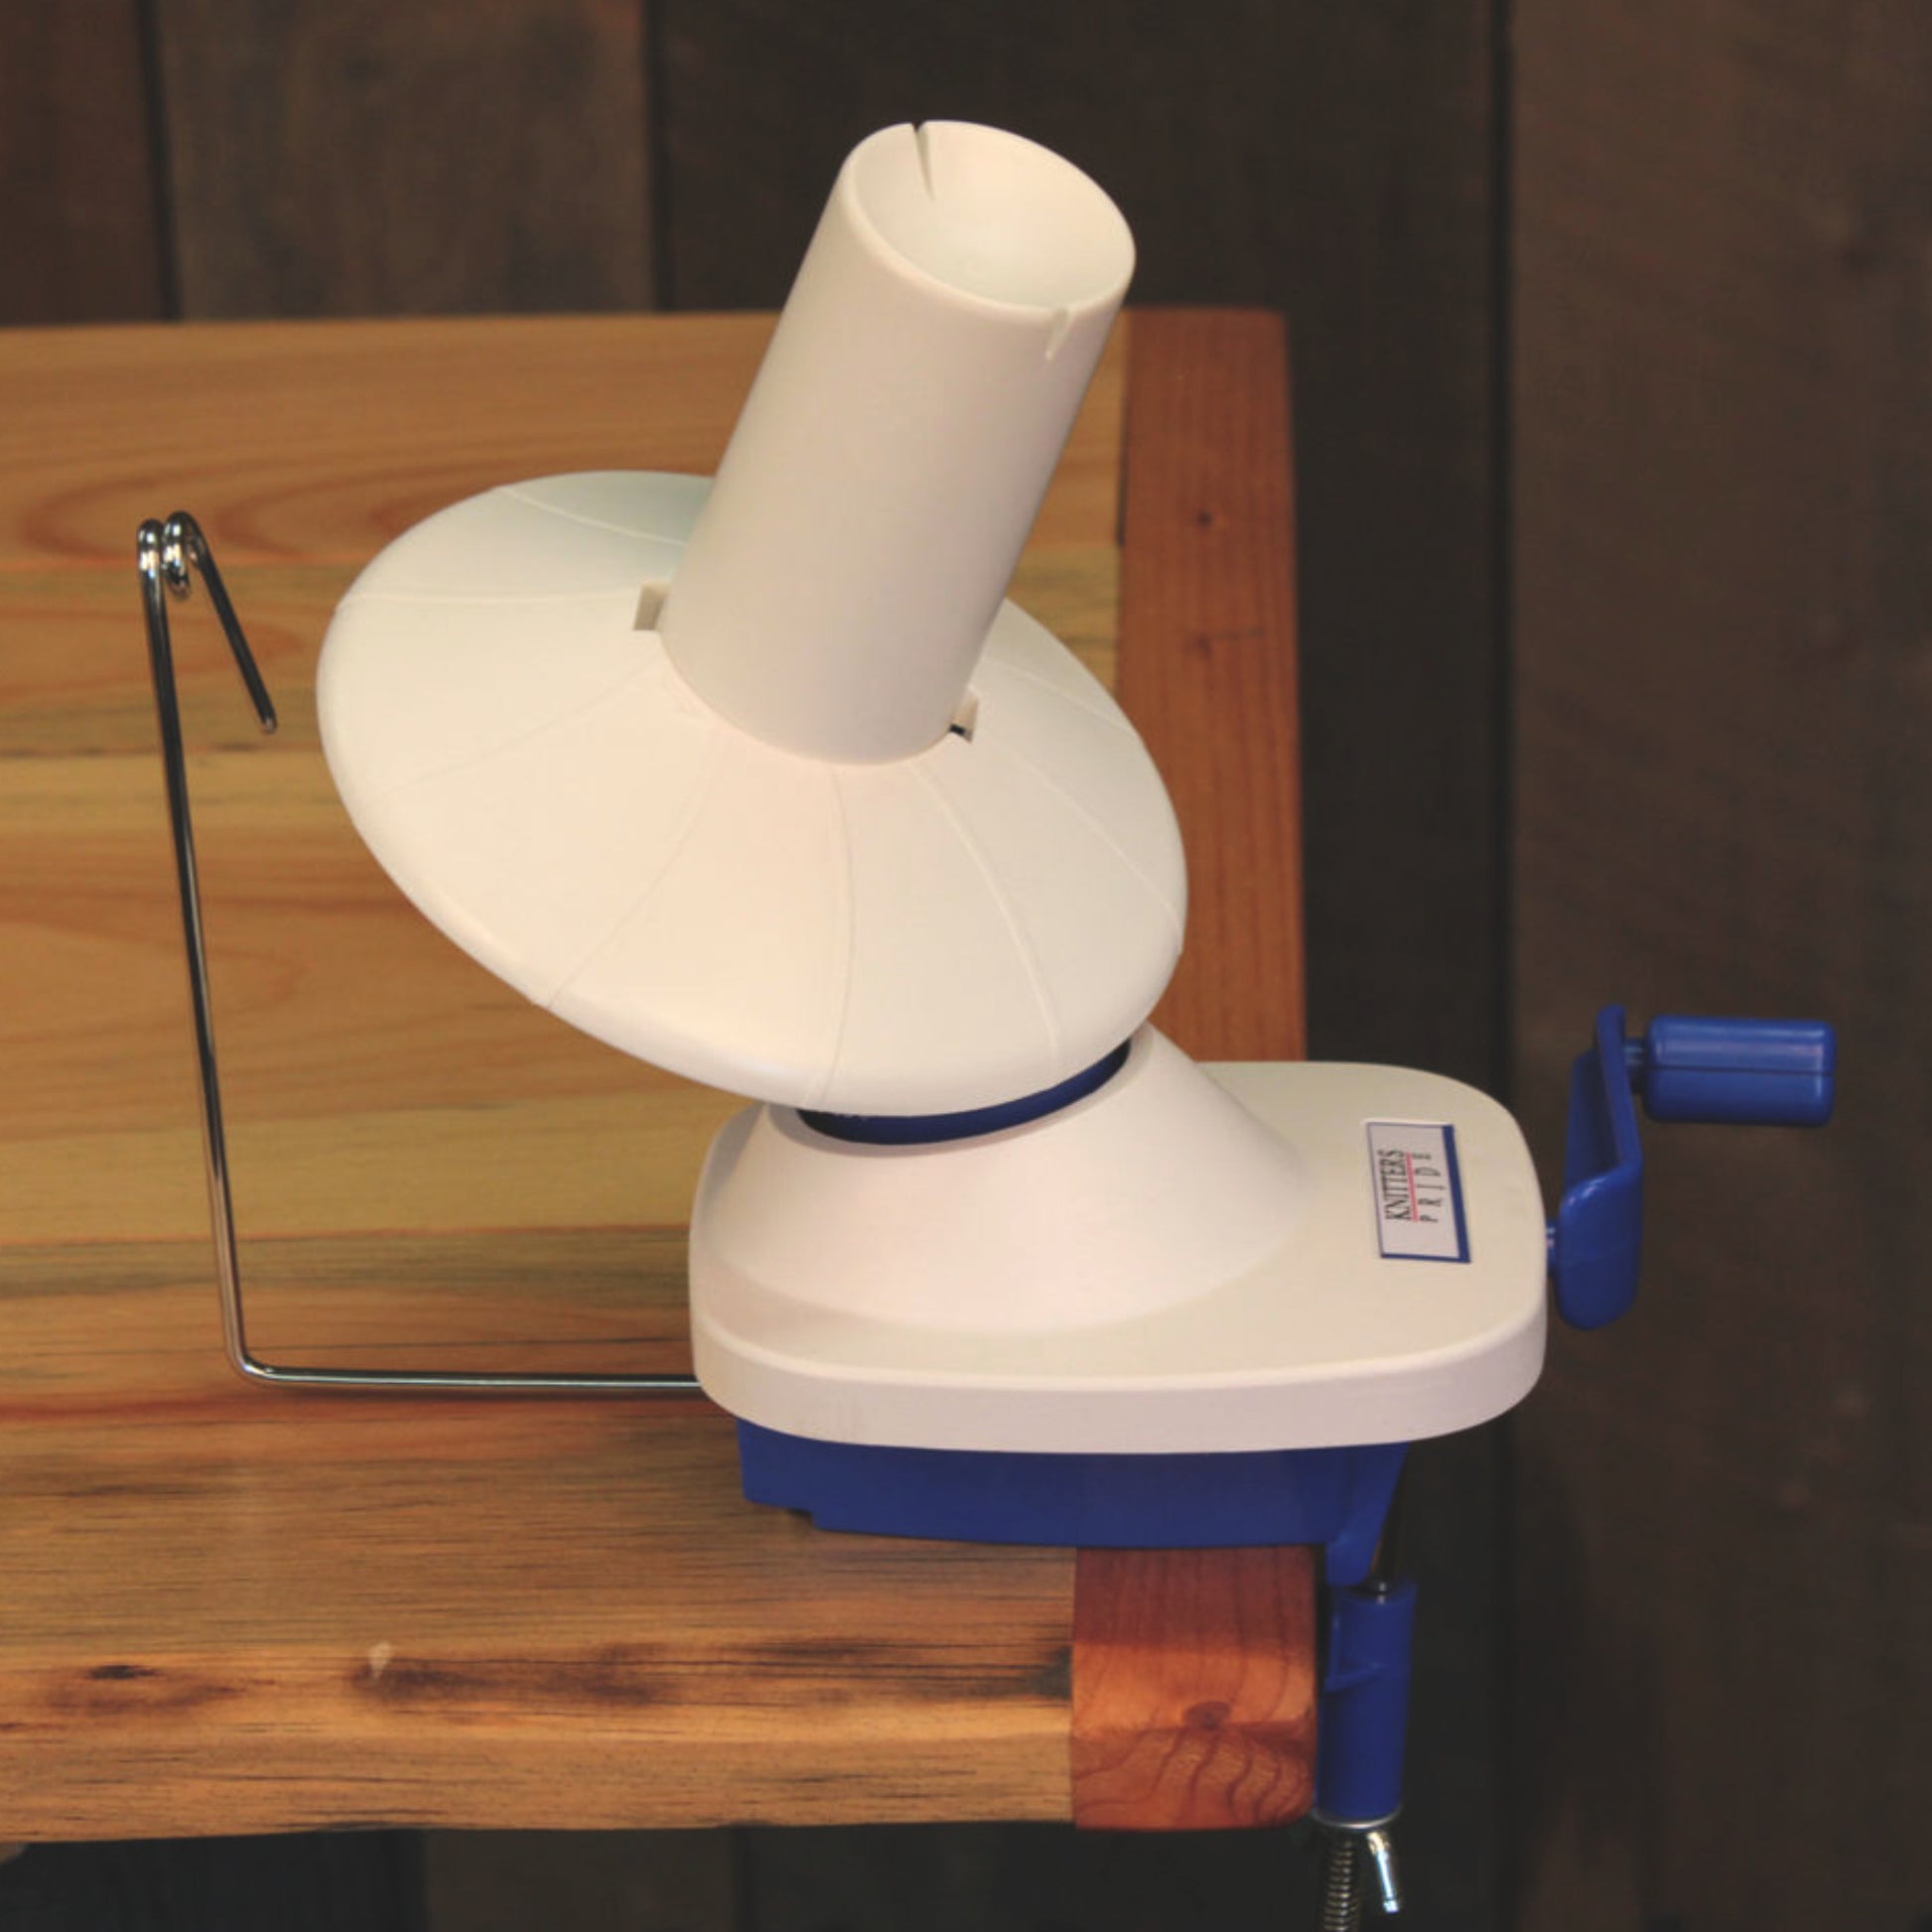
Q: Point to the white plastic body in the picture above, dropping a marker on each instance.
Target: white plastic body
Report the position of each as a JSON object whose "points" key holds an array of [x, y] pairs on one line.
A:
{"points": [[726, 827], [895, 445], [1186, 1260], [948, 930], [676, 760]]}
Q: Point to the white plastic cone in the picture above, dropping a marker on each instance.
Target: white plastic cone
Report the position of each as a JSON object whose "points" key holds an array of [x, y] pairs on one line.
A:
{"points": [[895, 449]]}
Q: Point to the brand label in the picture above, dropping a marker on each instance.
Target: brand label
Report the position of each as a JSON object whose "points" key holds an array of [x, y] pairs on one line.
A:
{"points": [[1418, 1190]]}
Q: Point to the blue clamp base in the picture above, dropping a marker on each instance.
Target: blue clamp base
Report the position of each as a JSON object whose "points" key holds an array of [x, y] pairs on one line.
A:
{"points": [[1770, 1072], [1337, 1497]]}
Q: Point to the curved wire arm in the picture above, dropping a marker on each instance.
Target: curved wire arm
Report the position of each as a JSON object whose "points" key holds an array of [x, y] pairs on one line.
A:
{"points": [[165, 554]]}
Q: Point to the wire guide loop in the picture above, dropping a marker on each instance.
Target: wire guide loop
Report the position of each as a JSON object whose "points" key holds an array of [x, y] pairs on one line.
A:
{"points": [[169, 556]]}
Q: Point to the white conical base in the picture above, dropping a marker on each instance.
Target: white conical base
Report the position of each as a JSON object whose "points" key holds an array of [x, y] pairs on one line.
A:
{"points": [[1189, 1258], [943, 931]]}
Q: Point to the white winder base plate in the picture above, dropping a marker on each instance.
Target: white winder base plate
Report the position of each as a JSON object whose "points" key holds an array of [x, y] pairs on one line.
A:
{"points": [[1190, 1259]]}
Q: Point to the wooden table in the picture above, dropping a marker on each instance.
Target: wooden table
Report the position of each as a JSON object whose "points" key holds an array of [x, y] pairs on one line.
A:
{"points": [[232, 1609]]}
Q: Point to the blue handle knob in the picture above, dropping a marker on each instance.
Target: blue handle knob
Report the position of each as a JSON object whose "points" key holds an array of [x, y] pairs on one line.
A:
{"points": [[1754, 1073]]}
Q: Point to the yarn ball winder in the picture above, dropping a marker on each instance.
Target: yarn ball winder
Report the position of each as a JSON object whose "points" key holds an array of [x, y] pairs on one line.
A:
{"points": [[761, 778]]}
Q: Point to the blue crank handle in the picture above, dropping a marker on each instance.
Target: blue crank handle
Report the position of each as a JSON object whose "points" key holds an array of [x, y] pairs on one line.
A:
{"points": [[1746, 1072]]}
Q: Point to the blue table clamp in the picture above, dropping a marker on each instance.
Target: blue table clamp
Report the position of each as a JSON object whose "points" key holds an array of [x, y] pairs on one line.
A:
{"points": [[1746, 1072]]}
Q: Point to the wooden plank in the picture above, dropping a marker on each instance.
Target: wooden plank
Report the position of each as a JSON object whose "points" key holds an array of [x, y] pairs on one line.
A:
{"points": [[1724, 423], [85, 214], [1207, 665], [73, 676], [229, 1605], [1193, 1671], [356, 157], [358, 1683], [282, 1627], [290, 441], [1193, 1688]]}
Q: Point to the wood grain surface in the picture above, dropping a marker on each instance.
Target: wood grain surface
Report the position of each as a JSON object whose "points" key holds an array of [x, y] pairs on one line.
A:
{"points": [[1193, 1688], [1725, 651], [232, 1609], [318, 444], [1187, 1712], [1207, 633]]}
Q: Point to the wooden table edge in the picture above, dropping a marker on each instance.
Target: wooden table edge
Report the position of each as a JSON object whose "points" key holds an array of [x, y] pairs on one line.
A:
{"points": [[1192, 1698], [1193, 1671]]}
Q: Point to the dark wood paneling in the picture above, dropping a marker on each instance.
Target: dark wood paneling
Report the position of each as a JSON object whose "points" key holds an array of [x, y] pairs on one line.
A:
{"points": [[1723, 405], [84, 238], [403, 157], [1028, 1878], [370, 1881], [580, 1882]]}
